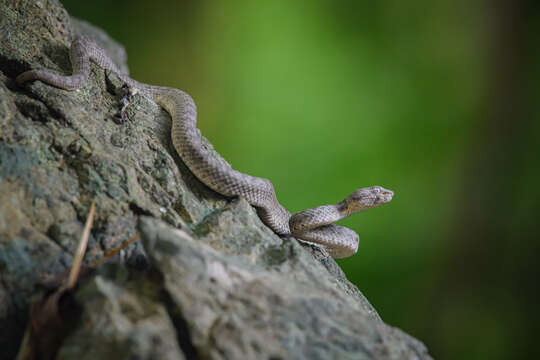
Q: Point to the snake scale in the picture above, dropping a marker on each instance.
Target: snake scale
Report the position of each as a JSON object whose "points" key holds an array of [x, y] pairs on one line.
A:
{"points": [[314, 226]]}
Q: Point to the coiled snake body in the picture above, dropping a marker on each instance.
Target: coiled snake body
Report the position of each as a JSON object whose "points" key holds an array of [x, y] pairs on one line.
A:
{"points": [[314, 226]]}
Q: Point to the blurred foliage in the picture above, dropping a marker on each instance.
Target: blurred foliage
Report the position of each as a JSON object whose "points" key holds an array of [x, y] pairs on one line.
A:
{"points": [[323, 97]]}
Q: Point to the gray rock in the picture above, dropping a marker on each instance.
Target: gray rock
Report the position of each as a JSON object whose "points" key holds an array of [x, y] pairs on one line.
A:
{"points": [[220, 284], [122, 318], [253, 307]]}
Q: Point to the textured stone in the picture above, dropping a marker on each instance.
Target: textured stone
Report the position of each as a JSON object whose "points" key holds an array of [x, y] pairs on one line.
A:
{"points": [[122, 318], [211, 281], [240, 307]]}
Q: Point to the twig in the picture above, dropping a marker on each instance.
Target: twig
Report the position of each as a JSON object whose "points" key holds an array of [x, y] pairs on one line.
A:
{"points": [[81, 249], [115, 250]]}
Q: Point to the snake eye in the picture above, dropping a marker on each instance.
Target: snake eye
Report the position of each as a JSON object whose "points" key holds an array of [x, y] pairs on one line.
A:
{"points": [[377, 189]]}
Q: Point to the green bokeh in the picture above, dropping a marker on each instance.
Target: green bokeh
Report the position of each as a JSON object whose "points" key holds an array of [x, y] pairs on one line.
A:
{"points": [[323, 97]]}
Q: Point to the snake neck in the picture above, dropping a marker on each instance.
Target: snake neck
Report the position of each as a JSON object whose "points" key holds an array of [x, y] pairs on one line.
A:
{"points": [[347, 208]]}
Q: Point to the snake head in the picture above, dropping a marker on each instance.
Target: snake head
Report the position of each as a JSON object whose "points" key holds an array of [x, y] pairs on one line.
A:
{"points": [[366, 198]]}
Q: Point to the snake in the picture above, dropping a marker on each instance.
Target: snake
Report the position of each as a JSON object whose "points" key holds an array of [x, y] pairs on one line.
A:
{"points": [[314, 226]]}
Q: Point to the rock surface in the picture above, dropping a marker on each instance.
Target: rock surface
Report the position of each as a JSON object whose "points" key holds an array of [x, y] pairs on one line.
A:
{"points": [[207, 281]]}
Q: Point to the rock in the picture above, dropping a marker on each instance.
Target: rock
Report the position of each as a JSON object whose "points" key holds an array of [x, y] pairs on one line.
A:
{"points": [[208, 280], [122, 318]]}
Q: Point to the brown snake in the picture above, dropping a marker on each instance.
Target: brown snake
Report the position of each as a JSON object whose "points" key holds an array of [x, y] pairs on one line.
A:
{"points": [[314, 226]]}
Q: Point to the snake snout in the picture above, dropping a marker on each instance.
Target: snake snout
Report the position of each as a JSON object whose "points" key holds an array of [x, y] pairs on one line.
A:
{"points": [[387, 195], [382, 195]]}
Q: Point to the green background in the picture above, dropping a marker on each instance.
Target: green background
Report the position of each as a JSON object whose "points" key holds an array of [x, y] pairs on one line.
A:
{"points": [[436, 100]]}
